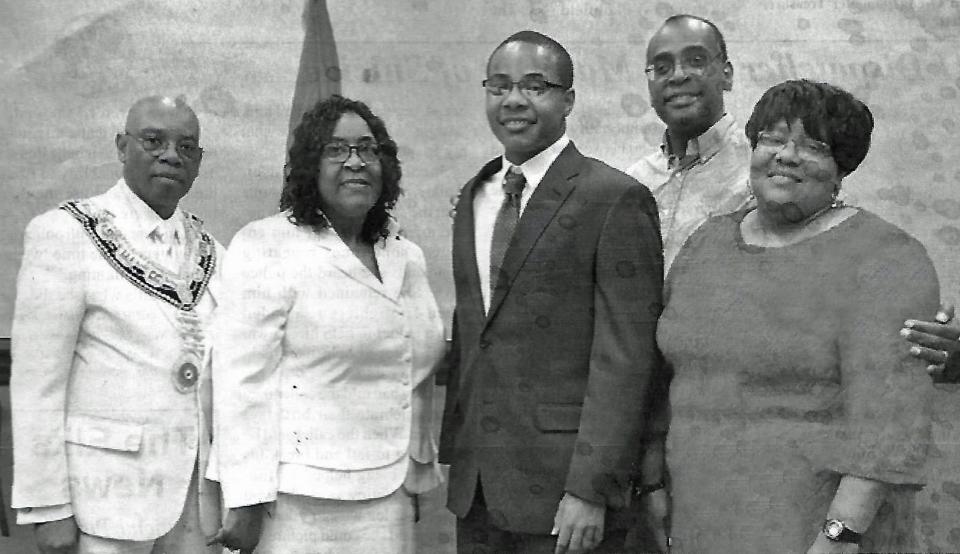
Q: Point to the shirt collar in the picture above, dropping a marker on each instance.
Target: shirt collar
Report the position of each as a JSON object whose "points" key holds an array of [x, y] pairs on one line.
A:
{"points": [[140, 219], [704, 146], [536, 167]]}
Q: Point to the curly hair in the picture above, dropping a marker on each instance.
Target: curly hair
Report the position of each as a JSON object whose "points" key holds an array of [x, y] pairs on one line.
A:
{"points": [[829, 114], [301, 195]]}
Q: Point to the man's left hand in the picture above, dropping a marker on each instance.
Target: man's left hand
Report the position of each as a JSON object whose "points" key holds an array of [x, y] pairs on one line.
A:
{"points": [[937, 343], [578, 525]]}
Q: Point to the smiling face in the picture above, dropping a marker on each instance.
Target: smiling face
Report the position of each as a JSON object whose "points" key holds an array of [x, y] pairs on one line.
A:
{"points": [[349, 189], [792, 174], [689, 103], [526, 125], [159, 180]]}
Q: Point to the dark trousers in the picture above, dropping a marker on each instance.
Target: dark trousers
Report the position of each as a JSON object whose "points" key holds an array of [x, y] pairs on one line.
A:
{"points": [[476, 534]]}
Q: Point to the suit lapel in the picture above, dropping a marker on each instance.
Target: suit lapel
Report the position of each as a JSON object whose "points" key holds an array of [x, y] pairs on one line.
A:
{"points": [[464, 237], [551, 193], [342, 258]]}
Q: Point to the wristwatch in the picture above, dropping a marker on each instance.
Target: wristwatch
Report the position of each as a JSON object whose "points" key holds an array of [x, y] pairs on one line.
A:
{"points": [[837, 531], [640, 489]]}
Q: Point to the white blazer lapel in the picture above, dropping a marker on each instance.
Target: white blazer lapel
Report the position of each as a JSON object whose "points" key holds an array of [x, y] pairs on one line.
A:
{"points": [[344, 260], [114, 202], [392, 260]]}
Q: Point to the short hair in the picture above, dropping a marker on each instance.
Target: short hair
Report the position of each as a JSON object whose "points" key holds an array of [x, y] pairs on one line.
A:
{"points": [[829, 114], [301, 195], [564, 68], [716, 30], [179, 102]]}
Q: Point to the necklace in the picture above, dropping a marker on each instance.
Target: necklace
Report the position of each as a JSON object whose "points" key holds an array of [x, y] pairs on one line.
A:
{"points": [[794, 231], [818, 213]]}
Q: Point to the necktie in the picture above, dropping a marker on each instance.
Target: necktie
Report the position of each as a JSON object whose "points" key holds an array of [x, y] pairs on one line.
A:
{"points": [[506, 221], [167, 240]]}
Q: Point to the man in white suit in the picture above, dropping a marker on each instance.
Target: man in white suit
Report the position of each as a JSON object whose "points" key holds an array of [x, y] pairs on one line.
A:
{"points": [[110, 385]]}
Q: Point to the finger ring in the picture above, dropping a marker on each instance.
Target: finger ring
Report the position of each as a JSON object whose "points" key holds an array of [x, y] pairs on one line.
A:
{"points": [[946, 355]]}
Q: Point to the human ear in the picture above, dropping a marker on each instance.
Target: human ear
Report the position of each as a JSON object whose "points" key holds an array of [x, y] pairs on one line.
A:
{"points": [[121, 142], [727, 76], [569, 97]]}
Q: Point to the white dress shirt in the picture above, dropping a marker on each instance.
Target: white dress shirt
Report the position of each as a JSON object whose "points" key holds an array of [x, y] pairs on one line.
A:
{"points": [[161, 240], [489, 198], [711, 179]]}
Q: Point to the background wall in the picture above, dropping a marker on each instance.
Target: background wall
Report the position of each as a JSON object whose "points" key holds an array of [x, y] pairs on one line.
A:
{"points": [[69, 71]]}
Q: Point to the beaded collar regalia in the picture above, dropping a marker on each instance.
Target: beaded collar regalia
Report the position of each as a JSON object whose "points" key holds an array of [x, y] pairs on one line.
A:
{"points": [[184, 290]]}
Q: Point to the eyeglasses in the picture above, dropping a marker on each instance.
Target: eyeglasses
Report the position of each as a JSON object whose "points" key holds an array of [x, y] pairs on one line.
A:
{"points": [[530, 86], [806, 147], [155, 146], [339, 151], [693, 63]]}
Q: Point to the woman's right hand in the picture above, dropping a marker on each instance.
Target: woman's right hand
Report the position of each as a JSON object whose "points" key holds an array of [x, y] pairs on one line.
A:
{"points": [[241, 529]]}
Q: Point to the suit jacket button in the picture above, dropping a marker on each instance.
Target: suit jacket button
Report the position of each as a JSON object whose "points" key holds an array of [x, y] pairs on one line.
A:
{"points": [[484, 343], [186, 376], [490, 424]]}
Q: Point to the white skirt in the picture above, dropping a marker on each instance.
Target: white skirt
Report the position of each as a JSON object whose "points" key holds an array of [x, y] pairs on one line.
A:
{"points": [[297, 524]]}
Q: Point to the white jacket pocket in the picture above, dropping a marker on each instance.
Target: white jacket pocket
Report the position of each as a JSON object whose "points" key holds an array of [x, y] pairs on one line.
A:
{"points": [[104, 433]]}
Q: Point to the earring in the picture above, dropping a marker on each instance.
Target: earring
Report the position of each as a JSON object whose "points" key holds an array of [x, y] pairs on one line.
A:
{"points": [[326, 222], [837, 201]]}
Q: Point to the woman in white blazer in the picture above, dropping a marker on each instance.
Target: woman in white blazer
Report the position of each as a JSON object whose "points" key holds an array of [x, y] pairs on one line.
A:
{"points": [[324, 351]]}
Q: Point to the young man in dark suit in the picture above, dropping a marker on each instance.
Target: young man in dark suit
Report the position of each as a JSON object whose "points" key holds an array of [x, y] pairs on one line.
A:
{"points": [[558, 268]]}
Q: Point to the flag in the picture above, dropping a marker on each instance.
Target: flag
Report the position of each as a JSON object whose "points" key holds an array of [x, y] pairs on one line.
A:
{"points": [[319, 73]]}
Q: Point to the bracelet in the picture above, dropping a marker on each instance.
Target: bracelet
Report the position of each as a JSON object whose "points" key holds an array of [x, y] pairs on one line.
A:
{"points": [[643, 490]]}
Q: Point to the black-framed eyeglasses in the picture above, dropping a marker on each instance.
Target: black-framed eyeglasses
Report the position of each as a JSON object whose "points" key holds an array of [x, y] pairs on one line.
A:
{"points": [[530, 85], [339, 151], [694, 63], [157, 145]]}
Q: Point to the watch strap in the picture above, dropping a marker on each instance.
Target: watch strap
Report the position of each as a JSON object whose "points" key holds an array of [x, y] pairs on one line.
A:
{"points": [[837, 531], [641, 489]]}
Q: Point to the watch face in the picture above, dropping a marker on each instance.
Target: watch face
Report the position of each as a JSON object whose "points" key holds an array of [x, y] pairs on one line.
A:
{"points": [[833, 528]]}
